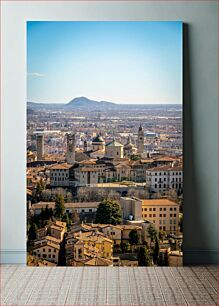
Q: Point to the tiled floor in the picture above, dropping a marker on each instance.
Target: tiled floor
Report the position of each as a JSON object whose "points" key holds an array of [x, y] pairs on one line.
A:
{"points": [[108, 286]]}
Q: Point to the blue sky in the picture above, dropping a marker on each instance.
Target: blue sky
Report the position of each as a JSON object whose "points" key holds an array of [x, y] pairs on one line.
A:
{"points": [[122, 62]]}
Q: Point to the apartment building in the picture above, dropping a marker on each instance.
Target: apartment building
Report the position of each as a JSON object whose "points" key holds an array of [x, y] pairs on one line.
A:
{"points": [[163, 213], [163, 178]]}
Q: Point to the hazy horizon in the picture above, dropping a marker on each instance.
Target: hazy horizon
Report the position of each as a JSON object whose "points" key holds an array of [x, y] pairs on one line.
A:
{"points": [[114, 61], [102, 100]]}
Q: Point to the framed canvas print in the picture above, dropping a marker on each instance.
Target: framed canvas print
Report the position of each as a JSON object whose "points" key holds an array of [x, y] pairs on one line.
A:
{"points": [[104, 143]]}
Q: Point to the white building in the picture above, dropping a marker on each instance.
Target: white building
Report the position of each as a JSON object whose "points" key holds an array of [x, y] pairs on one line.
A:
{"points": [[163, 178], [59, 175]]}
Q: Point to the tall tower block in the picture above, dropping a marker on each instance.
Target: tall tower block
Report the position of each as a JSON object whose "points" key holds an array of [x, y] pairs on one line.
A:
{"points": [[70, 154], [40, 146], [140, 140]]}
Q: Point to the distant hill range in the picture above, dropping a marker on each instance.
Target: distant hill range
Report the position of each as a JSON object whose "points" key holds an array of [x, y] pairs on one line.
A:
{"points": [[83, 103], [78, 103]]}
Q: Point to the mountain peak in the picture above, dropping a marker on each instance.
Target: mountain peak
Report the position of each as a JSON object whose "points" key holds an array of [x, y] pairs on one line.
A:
{"points": [[83, 102]]}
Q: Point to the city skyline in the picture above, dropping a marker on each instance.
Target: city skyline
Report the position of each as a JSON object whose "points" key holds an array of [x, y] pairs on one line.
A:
{"points": [[120, 62]]}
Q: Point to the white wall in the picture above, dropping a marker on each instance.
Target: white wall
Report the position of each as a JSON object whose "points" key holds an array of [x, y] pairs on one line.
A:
{"points": [[200, 105]]}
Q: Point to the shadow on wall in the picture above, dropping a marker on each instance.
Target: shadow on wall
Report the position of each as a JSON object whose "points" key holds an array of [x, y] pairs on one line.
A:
{"points": [[195, 245]]}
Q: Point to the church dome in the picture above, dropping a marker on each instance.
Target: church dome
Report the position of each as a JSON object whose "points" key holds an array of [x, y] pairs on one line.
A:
{"points": [[98, 139], [128, 146]]}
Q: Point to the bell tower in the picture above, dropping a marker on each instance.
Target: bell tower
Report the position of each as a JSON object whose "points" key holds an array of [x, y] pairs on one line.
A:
{"points": [[40, 146], [140, 140], [70, 154]]}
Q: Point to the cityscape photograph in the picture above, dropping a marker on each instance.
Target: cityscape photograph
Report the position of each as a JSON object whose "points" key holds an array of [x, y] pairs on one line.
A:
{"points": [[104, 143]]}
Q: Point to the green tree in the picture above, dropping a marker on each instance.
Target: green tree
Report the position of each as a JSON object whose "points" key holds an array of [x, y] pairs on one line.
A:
{"points": [[66, 219], [163, 259], [162, 235], [109, 212], [32, 231], [125, 247], [156, 250], [144, 258], [152, 233], [59, 206], [133, 237], [39, 189]]}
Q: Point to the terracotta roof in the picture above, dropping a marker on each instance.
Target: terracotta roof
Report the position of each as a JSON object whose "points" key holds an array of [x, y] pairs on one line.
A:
{"points": [[87, 162], [129, 227], [53, 239], [47, 243], [58, 228], [43, 205], [165, 168], [82, 205], [63, 166], [158, 202], [60, 223], [97, 261]]}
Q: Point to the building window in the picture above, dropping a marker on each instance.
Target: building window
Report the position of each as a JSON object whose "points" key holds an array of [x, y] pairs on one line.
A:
{"points": [[145, 209], [174, 215], [171, 208], [155, 185], [171, 215], [164, 209], [154, 215], [154, 209], [159, 185], [53, 256], [161, 208], [145, 216], [155, 179], [160, 215], [44, 255], [164, 215], [175, 208], [150, 215], [150, 209], [44, 250], [160, 228]]}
